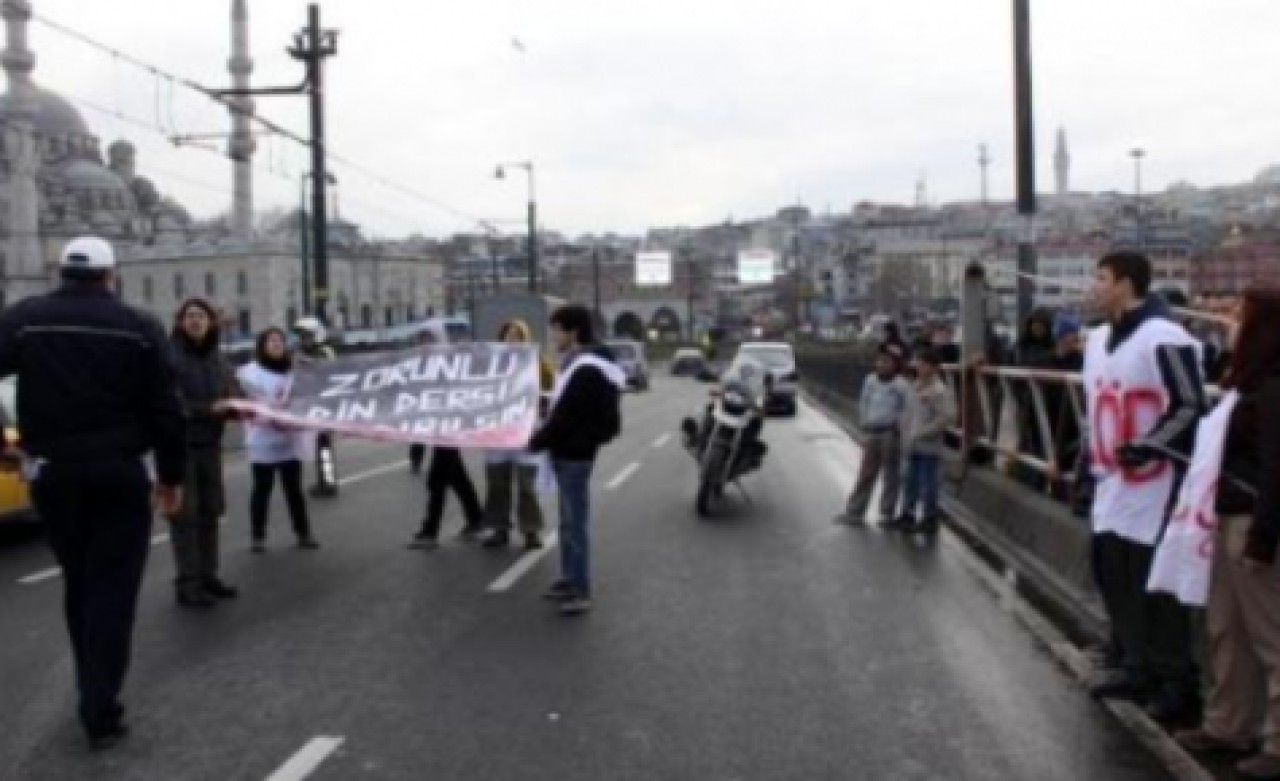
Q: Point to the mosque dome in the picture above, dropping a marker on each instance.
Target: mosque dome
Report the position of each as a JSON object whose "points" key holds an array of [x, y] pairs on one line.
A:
{"points": [[53, 115]]}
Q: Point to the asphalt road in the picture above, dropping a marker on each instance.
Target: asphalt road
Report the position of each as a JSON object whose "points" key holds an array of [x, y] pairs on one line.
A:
{"points": [[766, 644]]}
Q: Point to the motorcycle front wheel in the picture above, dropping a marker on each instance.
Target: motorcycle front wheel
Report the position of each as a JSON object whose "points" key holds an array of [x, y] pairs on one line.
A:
{"points": [[710, 487]]}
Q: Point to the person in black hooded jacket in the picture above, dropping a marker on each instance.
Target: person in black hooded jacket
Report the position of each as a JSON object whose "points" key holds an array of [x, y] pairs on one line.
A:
{"points": [[206, 381]]}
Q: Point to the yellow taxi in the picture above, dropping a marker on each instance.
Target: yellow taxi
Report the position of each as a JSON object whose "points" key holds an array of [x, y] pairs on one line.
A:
{"points": [[15, 500]]}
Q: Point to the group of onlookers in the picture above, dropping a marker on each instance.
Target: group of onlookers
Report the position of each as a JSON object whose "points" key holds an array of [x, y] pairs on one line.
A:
{"points": [[905, 411]]}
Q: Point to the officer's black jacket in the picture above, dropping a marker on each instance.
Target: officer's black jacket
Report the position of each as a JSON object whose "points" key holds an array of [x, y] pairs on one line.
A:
{"points": [[95, 379]]}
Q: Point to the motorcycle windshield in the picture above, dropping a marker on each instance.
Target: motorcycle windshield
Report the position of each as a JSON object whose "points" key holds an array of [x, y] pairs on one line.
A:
{"points": [[747, 376]]}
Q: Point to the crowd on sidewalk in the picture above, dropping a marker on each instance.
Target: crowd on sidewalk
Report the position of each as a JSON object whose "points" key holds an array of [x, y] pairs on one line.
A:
{"points": [[1146, 365]]}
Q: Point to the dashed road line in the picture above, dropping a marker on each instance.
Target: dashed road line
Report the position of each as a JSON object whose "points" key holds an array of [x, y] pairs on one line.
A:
{"points": [[623, 476], [308, 759], [661, 441], [369, 474], [523, 565], [41, 576]]}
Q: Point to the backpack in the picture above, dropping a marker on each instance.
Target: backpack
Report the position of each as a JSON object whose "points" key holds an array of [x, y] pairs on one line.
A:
{"points": [[611, 420]]}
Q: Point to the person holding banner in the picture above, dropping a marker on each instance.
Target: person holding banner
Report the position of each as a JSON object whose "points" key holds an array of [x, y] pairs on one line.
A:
{"points": [[206, 382], [512, 474], [447, 472], [1244, 579], [585, 415], [272, 448]]}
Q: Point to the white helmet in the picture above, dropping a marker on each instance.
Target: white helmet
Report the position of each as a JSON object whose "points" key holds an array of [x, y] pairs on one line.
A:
{"points": [[313, 326]]}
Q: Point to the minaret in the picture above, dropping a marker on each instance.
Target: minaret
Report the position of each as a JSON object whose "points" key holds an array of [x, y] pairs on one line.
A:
{"points": [[1062, 164], [25, 273], [242, 142]]}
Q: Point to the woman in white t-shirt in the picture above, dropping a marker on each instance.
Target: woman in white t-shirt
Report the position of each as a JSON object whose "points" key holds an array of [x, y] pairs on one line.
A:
{"points": [[272, 448]]}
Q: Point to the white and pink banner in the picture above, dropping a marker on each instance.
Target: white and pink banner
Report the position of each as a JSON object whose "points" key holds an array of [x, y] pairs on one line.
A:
{"points": [[477, 395]]}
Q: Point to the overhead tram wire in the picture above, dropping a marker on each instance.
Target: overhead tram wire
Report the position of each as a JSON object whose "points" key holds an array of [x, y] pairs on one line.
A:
{"points": [[173, 79]]}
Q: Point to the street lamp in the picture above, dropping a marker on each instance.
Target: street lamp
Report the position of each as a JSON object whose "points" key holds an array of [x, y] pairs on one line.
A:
{"points": [[1138, 155], [501, 173]]}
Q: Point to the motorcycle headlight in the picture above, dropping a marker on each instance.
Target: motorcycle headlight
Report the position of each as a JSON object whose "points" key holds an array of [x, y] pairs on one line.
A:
{"points": [[735, 399]]}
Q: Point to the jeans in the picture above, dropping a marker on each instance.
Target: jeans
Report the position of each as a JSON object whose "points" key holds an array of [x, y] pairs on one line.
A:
{"points": [[924, 484], [574, 480]]}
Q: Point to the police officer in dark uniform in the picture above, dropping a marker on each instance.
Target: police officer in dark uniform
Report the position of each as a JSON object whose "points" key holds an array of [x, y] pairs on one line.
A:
{"points": [[311, 347], [96, 393]]}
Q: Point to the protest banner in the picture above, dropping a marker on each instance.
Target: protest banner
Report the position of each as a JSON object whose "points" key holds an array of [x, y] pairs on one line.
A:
{"points": [[477, 395]]}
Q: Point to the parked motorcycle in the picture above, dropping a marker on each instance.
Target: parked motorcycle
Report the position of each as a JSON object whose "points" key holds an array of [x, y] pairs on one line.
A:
{"points": [[727, 444]]}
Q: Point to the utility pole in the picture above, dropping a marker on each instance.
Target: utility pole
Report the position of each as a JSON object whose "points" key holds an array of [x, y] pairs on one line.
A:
{"points": [[312, 46], [303, 228], [1138, 155], [1025, 138], [690, 281]]}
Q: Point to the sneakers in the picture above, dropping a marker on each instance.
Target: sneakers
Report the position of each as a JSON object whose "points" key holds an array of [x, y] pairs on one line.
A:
{"points": [[559, 591], [928, 526], [194, 597], [499, 538], [110, 739], [219, 590], [471, 532], [900, 524], [1259, 768], [307, 542], [532, 541], [424, 541], [574, 605]]}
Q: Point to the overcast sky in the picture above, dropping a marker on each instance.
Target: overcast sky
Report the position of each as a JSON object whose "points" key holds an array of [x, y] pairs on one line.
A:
{"points": [[685, 112]]}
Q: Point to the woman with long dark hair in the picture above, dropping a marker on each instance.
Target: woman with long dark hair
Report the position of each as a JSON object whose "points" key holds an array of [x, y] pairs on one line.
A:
{"points": [[273, 449], [206, 382], [1244, 587]]}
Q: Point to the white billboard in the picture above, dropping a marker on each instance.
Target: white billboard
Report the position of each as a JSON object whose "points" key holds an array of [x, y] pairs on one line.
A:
{"points": [[653, 268], [757, 267]]}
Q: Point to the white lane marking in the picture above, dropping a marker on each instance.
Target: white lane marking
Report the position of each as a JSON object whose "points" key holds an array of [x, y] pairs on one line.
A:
{"points": [[305, 762], [42, 575], [523, 565], [368, 474], [623, 476], [160, 539], [661, 441]]}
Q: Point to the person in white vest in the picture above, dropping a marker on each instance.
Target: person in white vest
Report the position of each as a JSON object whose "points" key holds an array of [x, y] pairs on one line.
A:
{"points": [[272, 448], [1243, 616], [1145, 395]]}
